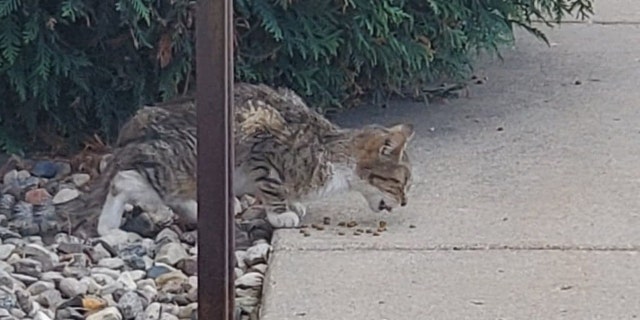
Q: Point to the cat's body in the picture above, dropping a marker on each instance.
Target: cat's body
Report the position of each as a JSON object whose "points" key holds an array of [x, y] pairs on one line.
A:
{"points": [[285, 154]]}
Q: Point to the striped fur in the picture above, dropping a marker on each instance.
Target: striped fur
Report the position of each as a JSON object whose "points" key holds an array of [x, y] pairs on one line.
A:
{"points": [[285, 155]]}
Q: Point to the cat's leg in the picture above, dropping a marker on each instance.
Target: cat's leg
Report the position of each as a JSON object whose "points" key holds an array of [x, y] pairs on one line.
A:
{"points": [[273, 196], [126, 187]]}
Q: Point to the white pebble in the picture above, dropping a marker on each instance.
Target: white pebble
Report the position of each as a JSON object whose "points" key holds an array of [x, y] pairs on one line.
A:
{"points": [[65, 195], [251, 279]]}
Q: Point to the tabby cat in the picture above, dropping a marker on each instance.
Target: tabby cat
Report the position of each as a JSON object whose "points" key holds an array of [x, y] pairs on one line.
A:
{"points": [[285, 154]]}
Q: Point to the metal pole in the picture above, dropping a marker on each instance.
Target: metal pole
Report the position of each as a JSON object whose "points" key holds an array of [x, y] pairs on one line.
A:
{"points": [[214, 97]]}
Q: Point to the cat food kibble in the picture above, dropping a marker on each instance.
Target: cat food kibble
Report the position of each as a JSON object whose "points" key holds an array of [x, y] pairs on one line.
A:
{"points": [[326, 220], [368, 231], [340, 233], [382, 224], [375, 234], [342, 224], [351, 224]]}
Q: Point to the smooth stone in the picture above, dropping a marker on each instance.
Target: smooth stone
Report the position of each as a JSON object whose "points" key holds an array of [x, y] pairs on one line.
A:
{"points": [[131, 304], [111, 263], [92, 285], [51, 276], [37, 197], [80, 179], [127, 281], [65, 195], [250, 279], [50, 299], [11, 177], [188, 265], [71, 287], [45, 169], [187, 311], [40, 286], [171, 253], [260, 267], [241, 256], [41, 315], [6, 250], [153, 311], [258, 253], [109, 313], [159, 269], [114, 274]]}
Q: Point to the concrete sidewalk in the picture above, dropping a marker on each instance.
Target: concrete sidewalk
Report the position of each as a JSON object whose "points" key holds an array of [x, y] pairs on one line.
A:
{"points": [[526, 201]]}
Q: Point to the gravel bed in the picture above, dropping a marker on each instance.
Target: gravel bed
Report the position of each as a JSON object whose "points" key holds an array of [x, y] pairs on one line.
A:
{"points": [[148, 277]]}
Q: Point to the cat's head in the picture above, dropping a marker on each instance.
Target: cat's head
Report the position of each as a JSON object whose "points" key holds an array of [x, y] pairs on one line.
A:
{"points": [[383, 166]]}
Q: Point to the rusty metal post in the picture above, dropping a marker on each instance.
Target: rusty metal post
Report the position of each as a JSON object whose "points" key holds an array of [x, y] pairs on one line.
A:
{"points": [[214, 97]]}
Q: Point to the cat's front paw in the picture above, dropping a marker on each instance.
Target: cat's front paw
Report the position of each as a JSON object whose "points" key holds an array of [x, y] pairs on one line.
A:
{"points": [[287, 219]]}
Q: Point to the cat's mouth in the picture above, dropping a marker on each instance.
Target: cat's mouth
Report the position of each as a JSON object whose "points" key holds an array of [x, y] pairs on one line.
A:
{"points": [[384, 206]]}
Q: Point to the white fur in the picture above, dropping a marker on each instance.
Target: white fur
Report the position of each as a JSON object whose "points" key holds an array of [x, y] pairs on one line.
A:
{"points": [[340, 181], [126, 187]]}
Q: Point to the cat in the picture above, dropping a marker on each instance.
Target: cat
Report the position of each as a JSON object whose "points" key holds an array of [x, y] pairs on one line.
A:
{"points": [[285, 154]]}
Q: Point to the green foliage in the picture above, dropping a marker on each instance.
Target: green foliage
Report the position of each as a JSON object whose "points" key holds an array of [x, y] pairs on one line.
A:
{"points": [[72, 68], [334, 51]]}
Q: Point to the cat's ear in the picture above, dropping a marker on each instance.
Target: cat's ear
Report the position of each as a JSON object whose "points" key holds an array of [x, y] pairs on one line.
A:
{"points": [[396, 141]]}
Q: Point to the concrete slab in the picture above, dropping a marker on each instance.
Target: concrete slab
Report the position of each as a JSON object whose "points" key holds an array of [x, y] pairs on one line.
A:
{"points": [[474, 285], [563, 170], [539, 166]]}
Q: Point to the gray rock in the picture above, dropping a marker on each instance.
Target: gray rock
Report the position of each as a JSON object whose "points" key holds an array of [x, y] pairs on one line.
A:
{"points": [[127, 281], [258, 253], [92, 285], [11, 177], [250, 279], [71, 287], [8, 299], [238, 272], [18, 313], [114, 274], [147, 288], [171, 253], [153, 311], [110, 313], [50, 299], [167, 235], [187, 311], [5, 266], [39, 287], [45, 169], [131, 304], [260, 267], [99, 252], [6, 250], [7, 201], [80, 179], [41, 315], [248, 292], [28, 280], [51, 276], [65, 195], [168, 316], [111, 263], [159, 269], [6, 314], [241, 257], [68, 313], [35, 251], [28, 266], [137, 275]]}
